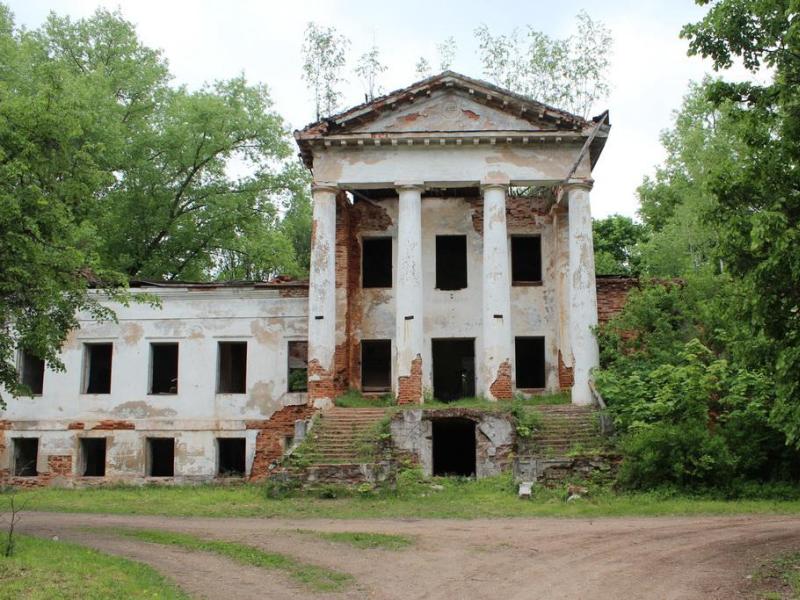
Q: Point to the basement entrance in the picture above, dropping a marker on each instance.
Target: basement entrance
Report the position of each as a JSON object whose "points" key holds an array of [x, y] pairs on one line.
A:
{"points": [[453, 369], [454, 447]]}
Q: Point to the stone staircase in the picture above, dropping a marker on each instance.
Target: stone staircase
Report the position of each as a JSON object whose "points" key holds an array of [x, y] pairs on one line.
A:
{"points": [[565, 429], [338, 435]]}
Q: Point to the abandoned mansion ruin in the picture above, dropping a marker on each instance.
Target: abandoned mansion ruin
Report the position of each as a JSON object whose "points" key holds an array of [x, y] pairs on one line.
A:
{"points": [[451, 256]]}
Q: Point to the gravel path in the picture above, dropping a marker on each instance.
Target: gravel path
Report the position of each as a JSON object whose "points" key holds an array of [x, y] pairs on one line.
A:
{"points": [[663, 558]]}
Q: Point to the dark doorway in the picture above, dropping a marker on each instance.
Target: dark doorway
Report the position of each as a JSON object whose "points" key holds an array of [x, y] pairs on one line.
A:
{"points": [[231, 457], [453, 369], [32, 372], [530, 363], [454, 447], [161, 457], [94, 456], [451, 262], [26, 454], [164, 368], [376, 365]]}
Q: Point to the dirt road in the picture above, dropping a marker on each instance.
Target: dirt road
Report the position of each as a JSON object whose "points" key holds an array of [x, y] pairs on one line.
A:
{"points": [[663, 558]]}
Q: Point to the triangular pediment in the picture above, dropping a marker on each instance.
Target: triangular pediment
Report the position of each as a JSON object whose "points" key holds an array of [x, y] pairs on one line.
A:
{"points": [[448, 110]]}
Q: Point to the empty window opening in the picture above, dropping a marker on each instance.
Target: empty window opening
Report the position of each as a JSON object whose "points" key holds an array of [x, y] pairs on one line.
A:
{"points": [[26, 453], [232, 377], [376, 365], [526, 259], [231, 457], [93, 457], [288, 442], [164, 368], [376, 262], [161, 457], [298, 366], [454, 447], [529, 361], [31, 372], [97, 373], [451, 262], [453, 369]]}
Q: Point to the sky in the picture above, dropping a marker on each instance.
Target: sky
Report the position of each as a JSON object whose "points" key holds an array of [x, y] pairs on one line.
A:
{"points": [[206, 40]]}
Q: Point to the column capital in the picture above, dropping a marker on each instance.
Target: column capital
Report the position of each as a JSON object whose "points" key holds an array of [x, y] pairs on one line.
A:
{"points": [[324, 186], [403, 186], [579, 184]]}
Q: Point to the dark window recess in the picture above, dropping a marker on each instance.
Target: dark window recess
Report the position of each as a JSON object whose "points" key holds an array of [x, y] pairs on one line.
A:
{"points": [[376, 365], [298, 366], [376, 263], [453, 369], [232, 368], [529, 360], [26, 453], [164, 365], [231, 457], [451, 262], [98, 368], [93, 453], [32, 372], [526, 259], [454, 447], [161, 457]]}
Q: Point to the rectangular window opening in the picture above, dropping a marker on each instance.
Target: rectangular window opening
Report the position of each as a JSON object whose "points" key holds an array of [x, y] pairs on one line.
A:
{"points": [[530, 362], [526, 259], [93, 457], [232, 377], [451, 262], [164, 368], [298, 366], [376, 365], [31, 372], [161, 457], [26, 453], [376, 262], [231, 457], [97, 369]]}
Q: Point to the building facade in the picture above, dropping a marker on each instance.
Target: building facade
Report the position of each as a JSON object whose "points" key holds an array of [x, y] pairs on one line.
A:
{"points": [[451, 257]]}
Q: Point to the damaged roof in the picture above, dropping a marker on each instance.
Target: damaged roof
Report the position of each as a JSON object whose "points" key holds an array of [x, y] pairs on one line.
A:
{"points": [[374, 119]]}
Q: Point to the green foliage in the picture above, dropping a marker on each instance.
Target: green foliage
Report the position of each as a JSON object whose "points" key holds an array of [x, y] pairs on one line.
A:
{"points": [[314, 577], [324, 58], [569, 73], [616, 245], [355, 399], [527, 420]]}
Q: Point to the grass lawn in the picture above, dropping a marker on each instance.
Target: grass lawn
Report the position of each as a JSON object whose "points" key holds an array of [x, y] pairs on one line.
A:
{"points": [[779, 578], [363, 540], [45, 569], [318, 579], [449, 498]]}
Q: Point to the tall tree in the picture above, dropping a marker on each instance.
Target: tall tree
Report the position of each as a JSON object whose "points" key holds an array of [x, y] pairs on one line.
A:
{"points": [[758, 202], [368, 69], [570, 73], [616, 245], [324, 59]]}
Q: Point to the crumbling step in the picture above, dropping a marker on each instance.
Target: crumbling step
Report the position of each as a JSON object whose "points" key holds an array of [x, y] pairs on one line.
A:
{"points": [[339, 434], [563, 429]]}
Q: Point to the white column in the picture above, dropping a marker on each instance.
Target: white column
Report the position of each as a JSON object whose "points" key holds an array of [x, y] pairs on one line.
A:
{"points": [[322, 296], [496, 362], [408, 294], [582, 290]]}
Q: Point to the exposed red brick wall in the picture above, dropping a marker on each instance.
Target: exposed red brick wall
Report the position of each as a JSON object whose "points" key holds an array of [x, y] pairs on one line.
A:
{"points": [[612, 293], [272, 431], [409, 387], [320, 382], [111, 424], [501, 387], [76, 425], [521, 213], [565, 376], [60, 465]]}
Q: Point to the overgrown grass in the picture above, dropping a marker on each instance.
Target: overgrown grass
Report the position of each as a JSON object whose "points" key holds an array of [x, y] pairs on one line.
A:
{"points": [[363, 540], [355, 399], [314, 577], [44, 569], [781, 572], [415, 498]]}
